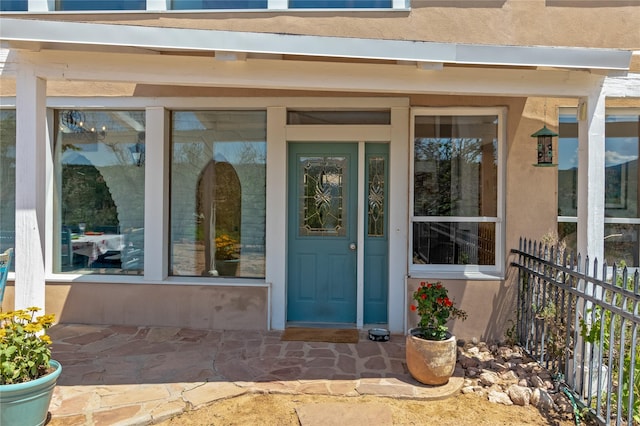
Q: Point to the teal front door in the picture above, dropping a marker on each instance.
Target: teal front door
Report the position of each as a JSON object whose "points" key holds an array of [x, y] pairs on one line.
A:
{"points": [[322, 232]]}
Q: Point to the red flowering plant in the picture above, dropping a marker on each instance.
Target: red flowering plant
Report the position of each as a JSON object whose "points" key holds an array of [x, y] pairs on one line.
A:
{"points": [[434, 308]]}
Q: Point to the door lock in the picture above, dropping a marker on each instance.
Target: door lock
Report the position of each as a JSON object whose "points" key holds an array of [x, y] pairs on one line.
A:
{"points": [[353, 246]]}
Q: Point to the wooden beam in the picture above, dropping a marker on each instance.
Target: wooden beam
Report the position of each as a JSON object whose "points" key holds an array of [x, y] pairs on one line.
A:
{"points": [[305, 75]]}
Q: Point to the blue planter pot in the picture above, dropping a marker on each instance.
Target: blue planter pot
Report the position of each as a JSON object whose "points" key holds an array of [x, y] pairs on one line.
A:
{"points": [[27, 404]]}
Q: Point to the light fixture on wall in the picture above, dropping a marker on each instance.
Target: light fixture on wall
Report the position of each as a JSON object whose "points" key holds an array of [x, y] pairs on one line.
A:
{"points": [[545, 137]]}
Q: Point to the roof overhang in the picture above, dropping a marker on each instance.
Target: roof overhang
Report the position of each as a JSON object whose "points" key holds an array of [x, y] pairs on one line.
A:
{"points": [[42, 34]]}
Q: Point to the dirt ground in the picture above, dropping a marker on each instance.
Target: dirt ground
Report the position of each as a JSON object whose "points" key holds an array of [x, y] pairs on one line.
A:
{"points": [[272, 409]]}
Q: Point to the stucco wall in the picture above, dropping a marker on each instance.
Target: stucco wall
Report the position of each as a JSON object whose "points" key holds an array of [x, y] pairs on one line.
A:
{"points": [[189, 306], [593, 23], [490, 306]]}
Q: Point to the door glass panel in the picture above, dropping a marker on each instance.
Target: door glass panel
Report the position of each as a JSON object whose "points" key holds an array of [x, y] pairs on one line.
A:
{"points": [[322, 195], [376, 194]]}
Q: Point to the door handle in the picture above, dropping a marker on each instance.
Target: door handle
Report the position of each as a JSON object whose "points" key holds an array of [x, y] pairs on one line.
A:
{"points": [[353, 246]]}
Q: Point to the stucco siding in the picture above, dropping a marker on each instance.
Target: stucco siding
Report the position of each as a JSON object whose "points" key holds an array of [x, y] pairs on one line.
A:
{"points": [[507, 22], [190, 306]]}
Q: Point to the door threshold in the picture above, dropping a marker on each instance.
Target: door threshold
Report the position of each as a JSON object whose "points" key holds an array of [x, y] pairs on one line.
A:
{"points": [[342, 325]]}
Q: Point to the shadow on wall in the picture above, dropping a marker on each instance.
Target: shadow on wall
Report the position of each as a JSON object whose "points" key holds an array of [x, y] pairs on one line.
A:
{"points": [[504, 304]]}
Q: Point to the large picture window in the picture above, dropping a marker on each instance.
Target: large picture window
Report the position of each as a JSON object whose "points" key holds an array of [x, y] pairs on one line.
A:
{"points": [[100, 208], [621, 178], [339, 4], [218, 4], [218, 193], [14, 5], [456, 191], [7, 179]]}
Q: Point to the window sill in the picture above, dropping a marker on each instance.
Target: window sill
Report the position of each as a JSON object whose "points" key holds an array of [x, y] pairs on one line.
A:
{"points": [[457, 275], [139, 279]]}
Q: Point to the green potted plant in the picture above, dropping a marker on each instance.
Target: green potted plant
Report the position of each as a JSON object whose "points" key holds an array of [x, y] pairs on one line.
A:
{"points": [[28, 375], [430, 348]]}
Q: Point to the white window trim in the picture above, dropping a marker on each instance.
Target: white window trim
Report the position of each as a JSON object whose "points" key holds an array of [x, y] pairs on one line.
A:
{"points": [[475, 272]]}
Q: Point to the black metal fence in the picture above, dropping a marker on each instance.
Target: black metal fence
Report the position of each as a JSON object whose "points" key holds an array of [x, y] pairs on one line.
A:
{"points": [[583, 327]]}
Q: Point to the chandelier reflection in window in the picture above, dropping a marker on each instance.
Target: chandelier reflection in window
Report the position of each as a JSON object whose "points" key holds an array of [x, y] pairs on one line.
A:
{"points": [[75, 122]]}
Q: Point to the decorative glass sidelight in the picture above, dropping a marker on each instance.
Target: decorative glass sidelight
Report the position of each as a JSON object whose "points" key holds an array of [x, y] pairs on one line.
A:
{"points": [[376, 194], [323, 196]]}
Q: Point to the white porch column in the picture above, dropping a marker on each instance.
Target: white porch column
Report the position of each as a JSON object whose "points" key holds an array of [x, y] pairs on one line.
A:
{"points": [[156, 194], [276, 226], [31, 188], [591, 153], [398, 218]]}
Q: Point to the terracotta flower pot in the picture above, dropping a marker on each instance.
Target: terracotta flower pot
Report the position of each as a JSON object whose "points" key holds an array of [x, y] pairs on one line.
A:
{"points": [[431, 362]]}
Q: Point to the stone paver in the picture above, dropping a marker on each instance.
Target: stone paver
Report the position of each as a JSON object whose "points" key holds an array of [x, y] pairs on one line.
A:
{"points": [[117, 375]]}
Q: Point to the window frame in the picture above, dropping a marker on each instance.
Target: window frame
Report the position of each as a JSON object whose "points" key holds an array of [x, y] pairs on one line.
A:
{"points": [[608, 220], [58, 222], [473, 271]]}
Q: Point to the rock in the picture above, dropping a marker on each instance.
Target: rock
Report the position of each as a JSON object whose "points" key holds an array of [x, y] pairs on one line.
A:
{"points": [[499, 398], [474, 340], [509, 376], [505, 352], [520, 395], [467, 389], [489, 378], [467, 362], [541, 400], [473, 350], [537, 382], [563, 403], [523, 382], [497, 366]]}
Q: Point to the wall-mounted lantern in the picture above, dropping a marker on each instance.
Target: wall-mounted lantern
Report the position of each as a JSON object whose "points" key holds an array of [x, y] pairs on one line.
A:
{"points": [[545, 145]]}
